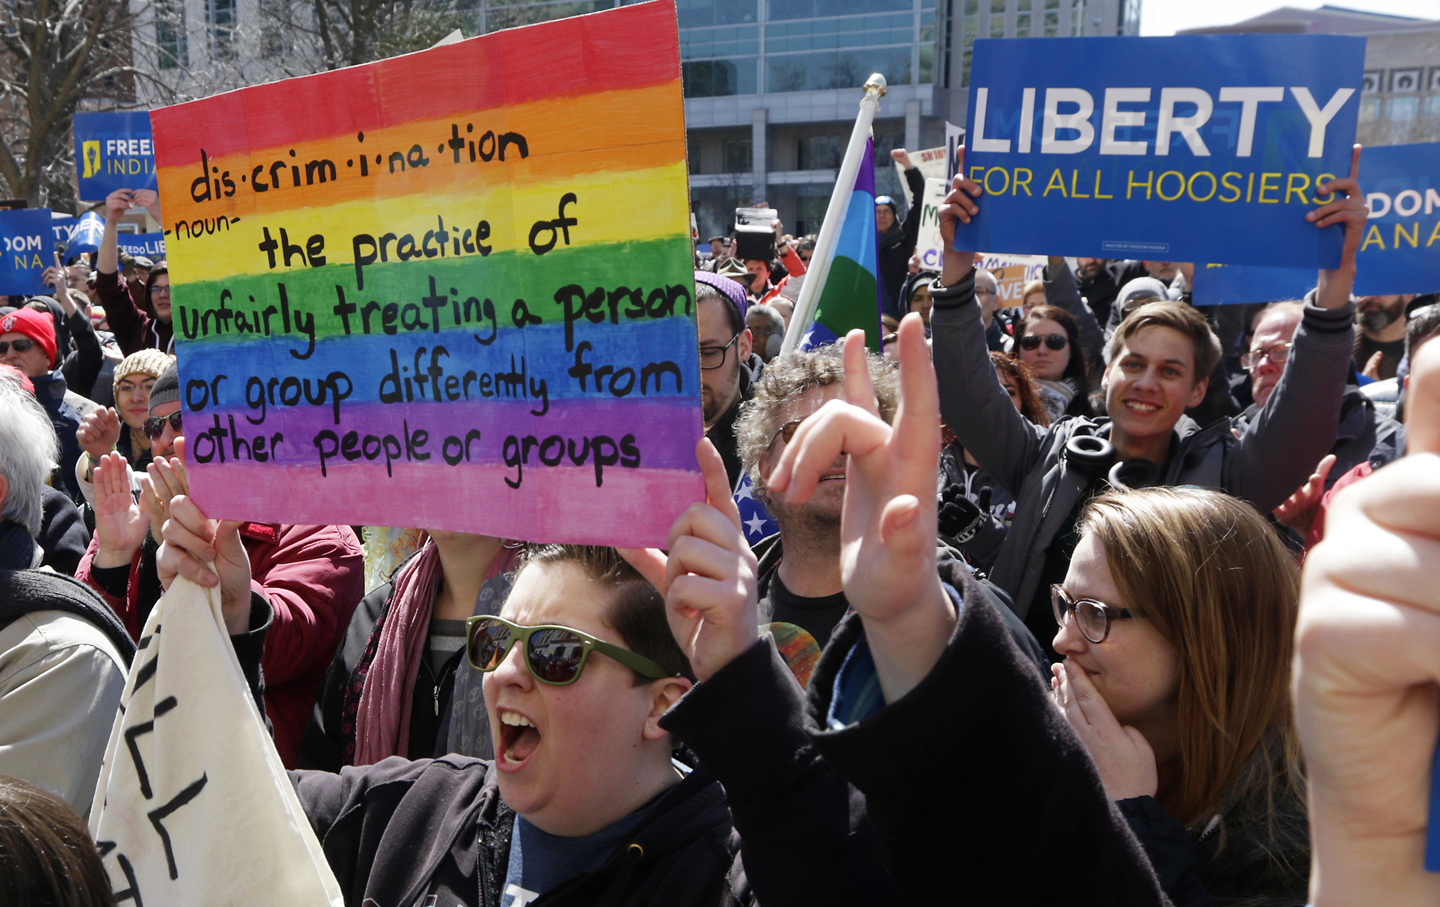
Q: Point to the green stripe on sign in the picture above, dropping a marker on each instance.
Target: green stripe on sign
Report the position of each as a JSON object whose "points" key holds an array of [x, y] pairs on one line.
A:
{"points": [[503, 278], [850, 300]]}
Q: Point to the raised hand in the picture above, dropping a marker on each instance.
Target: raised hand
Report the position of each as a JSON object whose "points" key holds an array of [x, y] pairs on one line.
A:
{"points": [[168, 479], [148, 199], [1122, 755], [205, 551], [1367, 671], [888, 522], [117, 203], [1298, 510], [958, 207], [120, 526], [710, 579], [1348, 208], [99, 432]]}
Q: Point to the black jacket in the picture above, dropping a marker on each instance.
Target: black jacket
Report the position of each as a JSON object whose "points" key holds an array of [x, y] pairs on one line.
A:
{"points": [[898, 245], [971, 789], [396, 830], [322, 746]]}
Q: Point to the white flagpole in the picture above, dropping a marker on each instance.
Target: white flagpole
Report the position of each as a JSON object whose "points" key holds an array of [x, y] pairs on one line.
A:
{"points": [[834, 216]]}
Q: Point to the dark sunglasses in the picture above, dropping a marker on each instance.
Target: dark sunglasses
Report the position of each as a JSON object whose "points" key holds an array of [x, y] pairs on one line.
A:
{"points": [[21, 345], [1092, 617], [554, 655], [1054, 341], [787, 431], [155, 426]]}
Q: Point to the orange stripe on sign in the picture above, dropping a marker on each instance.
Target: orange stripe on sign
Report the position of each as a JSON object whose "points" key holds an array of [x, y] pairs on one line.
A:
{"points": [[557, 137], [631, 47]]}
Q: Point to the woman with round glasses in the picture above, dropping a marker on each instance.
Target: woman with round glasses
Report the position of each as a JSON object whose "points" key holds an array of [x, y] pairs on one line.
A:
{"points": [[1049, 342], [1176, 619]]}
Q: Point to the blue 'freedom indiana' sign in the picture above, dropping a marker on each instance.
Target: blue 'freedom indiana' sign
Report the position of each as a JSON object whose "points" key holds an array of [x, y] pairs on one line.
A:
{"points": [[1193, 148], [113, 151], [26, 250], [1399, 254]]}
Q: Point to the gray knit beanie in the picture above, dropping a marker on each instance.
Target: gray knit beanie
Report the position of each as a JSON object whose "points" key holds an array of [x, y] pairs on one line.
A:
{"points": [[166, 388]]}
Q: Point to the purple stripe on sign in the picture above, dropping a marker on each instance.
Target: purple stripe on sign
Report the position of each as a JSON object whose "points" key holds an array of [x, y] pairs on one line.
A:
{"points": [[635, 506], [664, 433]]}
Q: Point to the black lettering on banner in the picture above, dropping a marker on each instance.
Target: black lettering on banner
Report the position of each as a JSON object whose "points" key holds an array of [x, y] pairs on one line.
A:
{"points": [[133, 892], [560, 225], [145, 727], [156, 816]]}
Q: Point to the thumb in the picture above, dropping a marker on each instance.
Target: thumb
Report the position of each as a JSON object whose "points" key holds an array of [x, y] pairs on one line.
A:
{"points": [[1422, 400]]}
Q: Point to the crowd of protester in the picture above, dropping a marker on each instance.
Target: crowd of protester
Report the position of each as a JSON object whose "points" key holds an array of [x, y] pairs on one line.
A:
{"points": [[1031, 627]]}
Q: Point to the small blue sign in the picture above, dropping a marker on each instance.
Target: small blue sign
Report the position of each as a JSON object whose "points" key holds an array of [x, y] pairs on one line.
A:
{"points": [[85, 234], [1401, 249], [147, 245], [1191, 148], [27, 248], [113, 151]]}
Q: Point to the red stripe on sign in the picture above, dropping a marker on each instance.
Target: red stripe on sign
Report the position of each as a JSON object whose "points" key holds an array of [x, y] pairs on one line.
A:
{"points": [[630, 47]]}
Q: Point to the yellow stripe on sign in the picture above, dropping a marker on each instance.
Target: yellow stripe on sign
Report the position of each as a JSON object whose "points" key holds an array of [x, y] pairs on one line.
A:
{"points": [[636, 205]]}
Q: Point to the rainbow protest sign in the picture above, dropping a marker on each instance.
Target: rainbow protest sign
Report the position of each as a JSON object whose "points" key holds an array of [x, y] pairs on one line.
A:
{"points": [[448, 290]]}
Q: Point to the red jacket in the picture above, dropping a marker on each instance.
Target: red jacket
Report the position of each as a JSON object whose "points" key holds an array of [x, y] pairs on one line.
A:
{"points": [[313, 576]]}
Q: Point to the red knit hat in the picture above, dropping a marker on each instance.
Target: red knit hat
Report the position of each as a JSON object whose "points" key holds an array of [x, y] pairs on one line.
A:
{"points": [[38, 326]]}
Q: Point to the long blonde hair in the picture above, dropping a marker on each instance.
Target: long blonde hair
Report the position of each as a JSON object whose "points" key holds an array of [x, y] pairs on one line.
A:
{"points": [[1217, 583]]}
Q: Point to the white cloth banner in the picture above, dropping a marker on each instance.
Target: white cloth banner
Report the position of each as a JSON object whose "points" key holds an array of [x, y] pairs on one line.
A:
{"points": [[193, 804]]}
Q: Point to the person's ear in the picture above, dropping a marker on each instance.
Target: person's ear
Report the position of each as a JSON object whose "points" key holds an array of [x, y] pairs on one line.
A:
{"points": [[1197, 393], [746, 345], [664, 694], [4, 491]]}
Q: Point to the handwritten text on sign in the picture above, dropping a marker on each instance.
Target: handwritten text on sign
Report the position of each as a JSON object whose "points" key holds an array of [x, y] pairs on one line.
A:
{"points": [[420, 292], [1196, 148]]}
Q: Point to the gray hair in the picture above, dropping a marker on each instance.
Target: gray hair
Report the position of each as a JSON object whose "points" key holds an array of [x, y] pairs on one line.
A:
{"points": [[773, 319], [789, 377], [28, 451]]}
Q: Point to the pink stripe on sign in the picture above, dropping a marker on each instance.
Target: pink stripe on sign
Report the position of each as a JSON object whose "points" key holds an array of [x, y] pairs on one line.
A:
{"points": [[465, 499]]}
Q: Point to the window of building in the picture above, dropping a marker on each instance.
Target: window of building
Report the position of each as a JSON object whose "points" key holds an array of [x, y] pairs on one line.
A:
{"points": [[997, 26], [739, 156], [820, 152], [222, 27], [1052, 18], [275, 28], [836, 69], [1432, 108], [1022, 25], [718, 78], [170, 34], [810, 205], [696, 13], [1402, 110], [719, 41], [779, 10], [1369, 110]]}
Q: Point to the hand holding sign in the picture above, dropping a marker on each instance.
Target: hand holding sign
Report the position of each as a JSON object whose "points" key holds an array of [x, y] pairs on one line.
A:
{"points": [[1348, 208], [888, 521], [208, 552], [959, 207], [1367, 706], [709, 580]]}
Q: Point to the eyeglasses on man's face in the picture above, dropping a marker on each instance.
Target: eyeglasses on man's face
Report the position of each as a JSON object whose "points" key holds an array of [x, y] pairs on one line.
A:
{"points": [[712, 357]]}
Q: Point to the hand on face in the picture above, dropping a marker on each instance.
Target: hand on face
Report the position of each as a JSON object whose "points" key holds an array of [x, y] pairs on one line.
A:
{"points": [[1367, 666], [1121, 755], [888, 521], [710, 579]]}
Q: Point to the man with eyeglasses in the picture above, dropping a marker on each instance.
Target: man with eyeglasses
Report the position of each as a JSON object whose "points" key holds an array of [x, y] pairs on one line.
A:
{"points": [[800, 580], [311, 577], [725, 362], [1364, 435]]}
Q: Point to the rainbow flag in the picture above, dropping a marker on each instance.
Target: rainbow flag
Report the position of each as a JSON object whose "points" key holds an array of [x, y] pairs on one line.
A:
{"points": [[448, 290], [851, 296]]}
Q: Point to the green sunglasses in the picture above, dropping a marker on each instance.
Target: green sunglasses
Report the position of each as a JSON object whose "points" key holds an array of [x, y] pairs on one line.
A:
{"points": [[554, 655]]}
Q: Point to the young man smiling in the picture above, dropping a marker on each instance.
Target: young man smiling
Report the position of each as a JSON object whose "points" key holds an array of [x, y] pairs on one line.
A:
{"points": [[1158, 363]]}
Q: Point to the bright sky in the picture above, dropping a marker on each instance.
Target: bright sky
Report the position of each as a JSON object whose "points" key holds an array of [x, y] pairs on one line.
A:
{"points": [[1165, 17]]}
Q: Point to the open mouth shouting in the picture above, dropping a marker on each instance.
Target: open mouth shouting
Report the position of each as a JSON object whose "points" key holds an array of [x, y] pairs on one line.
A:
{"points": [[519, 739]]}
